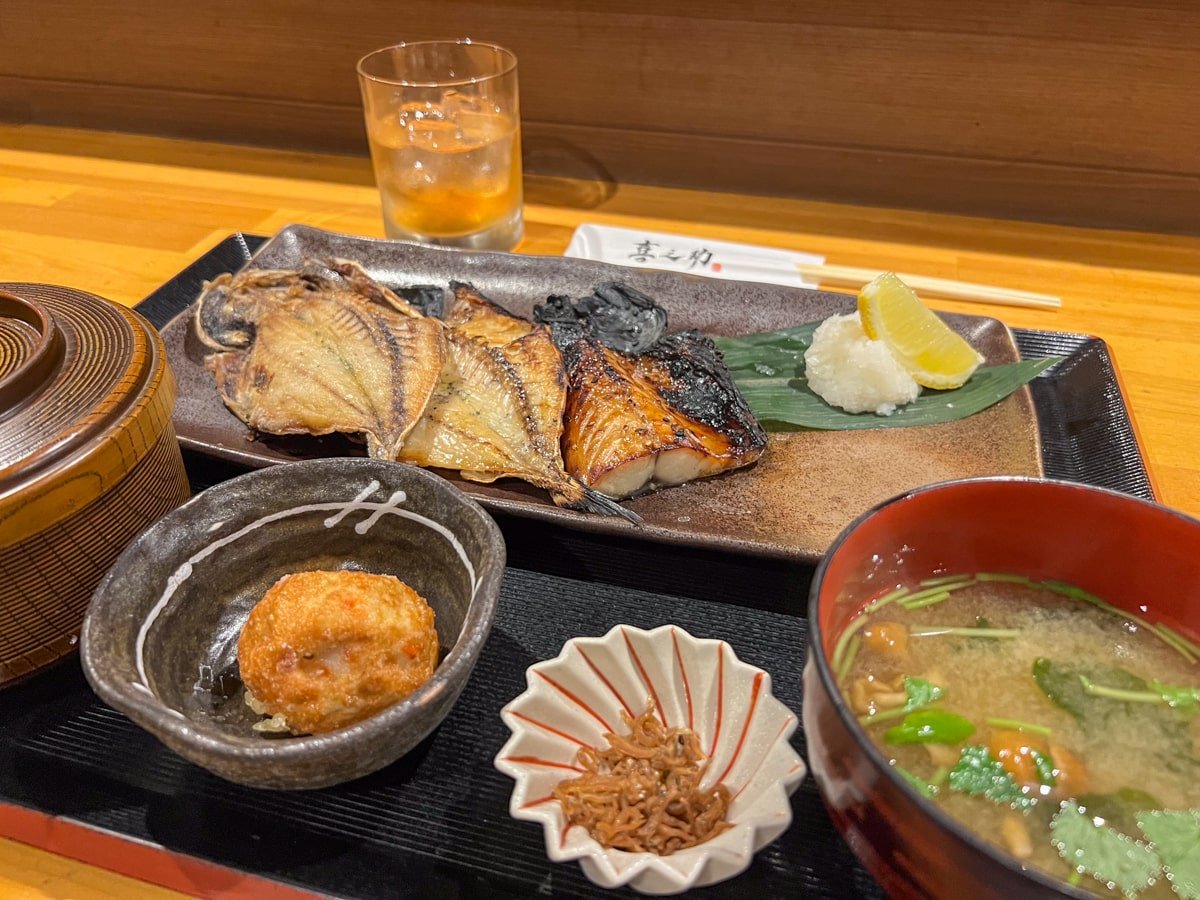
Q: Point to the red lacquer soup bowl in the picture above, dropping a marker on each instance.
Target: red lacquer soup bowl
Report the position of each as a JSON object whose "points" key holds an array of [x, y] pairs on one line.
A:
{"points": [[1137, 555]]}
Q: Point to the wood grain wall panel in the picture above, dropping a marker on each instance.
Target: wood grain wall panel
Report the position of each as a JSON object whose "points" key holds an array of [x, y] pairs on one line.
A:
{"points": [[1063, 109]]}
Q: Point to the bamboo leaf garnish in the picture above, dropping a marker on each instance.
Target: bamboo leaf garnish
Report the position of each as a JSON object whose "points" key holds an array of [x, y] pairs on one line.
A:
{"points": [[769, 370]]}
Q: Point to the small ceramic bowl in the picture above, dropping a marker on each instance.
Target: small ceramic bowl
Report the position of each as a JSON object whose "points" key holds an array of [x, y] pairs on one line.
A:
{"points": [[1137, 555], [160, 639], [574, 699]]}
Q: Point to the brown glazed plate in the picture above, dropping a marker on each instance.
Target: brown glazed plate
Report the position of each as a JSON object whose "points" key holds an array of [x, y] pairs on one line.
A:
{"points": [[790, 504]]}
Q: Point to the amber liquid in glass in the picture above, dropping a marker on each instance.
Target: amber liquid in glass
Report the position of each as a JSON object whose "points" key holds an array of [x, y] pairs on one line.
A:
{"points": [[450, 173]]}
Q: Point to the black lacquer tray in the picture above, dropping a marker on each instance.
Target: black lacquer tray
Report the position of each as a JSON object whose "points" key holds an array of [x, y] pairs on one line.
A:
{"points": [[436, 824]]}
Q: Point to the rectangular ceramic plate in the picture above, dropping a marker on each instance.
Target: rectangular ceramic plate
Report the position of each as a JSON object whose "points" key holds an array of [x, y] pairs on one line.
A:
{"points": [[790, 505]]}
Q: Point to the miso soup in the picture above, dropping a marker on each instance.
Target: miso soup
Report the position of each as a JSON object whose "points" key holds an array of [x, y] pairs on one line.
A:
{"points": [[1048, 722]]}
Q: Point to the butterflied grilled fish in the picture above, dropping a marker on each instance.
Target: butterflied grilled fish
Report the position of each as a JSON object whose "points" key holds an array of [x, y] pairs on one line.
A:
{"points": [[668, 415], [302, 355], [362, 283], [529, 349], [229, 305], [497, 410]]}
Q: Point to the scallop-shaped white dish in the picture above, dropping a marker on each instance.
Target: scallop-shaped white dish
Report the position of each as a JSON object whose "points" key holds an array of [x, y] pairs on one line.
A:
{"points": [[574, 699]]}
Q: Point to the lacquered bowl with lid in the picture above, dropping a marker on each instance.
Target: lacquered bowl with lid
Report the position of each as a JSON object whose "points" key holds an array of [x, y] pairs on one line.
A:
{"points": [[88, 458]]}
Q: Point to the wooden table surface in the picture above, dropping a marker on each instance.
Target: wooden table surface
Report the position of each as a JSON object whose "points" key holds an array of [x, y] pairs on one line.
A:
{"points": [[118, 215]]}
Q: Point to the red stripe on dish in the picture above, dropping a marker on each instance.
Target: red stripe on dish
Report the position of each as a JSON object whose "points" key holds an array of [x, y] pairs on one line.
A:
{"points": [[537, 761], [637, 661], [712, 748], [796, 768], [608, 684], [538, 802], [587, 709], [550, 728], [562, 837], [687, 688], [755, 690], [786, 722]]}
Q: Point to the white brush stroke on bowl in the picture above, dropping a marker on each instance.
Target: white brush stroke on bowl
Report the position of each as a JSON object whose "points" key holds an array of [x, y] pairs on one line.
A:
{"points": [[574, 699]]}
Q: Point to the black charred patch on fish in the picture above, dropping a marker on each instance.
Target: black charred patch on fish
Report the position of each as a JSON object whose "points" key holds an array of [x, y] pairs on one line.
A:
{"points": [[699, 385], [620, 317], [559, 315], [430, 299], [623, 318]]}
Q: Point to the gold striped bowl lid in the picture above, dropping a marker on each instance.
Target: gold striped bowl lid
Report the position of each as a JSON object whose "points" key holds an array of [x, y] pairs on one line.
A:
{"points": [[85, 392]]}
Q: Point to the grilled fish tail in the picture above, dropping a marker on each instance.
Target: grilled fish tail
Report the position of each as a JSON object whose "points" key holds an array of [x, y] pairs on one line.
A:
{"points": [[596, 502]]}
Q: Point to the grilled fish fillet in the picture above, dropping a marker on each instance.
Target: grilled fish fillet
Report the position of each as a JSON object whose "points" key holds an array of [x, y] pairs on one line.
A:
{"points": [[529, 349], [230, 305], [362, 283], [497, 409], [668, 416], [331, 361]]}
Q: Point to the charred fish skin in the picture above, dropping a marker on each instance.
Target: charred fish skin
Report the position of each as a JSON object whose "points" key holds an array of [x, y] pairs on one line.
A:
{"points": [[608, 423], [623, 318], [698, 384], [558, 313], [622, 438], [617, 315], [623, 434]]}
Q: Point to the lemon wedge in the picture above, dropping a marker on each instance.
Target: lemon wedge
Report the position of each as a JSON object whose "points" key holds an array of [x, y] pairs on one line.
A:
{"points": [[922, 343]]}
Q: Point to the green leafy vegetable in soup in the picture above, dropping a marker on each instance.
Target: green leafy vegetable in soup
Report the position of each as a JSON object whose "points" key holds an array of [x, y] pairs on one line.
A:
{"points": [[930, 726], [1044, 719], [979, 774]]}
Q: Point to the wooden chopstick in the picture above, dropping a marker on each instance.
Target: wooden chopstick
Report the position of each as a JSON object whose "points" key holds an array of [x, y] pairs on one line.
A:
{"points": [[942, 287]]}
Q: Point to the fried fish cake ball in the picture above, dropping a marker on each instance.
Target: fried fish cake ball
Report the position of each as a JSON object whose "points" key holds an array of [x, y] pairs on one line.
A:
{"points": [[327, 649]]}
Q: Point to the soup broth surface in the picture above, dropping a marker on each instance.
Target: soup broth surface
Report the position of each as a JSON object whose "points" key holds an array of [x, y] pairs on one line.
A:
{"points": [[1103, 749]]}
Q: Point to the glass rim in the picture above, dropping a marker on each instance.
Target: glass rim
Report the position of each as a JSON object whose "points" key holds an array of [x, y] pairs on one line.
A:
{"points": [[509, 66]]}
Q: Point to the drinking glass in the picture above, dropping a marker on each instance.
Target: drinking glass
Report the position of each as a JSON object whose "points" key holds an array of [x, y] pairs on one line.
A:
{"points": [[445, 132]]}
